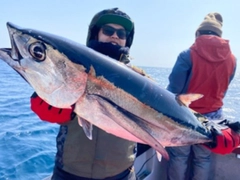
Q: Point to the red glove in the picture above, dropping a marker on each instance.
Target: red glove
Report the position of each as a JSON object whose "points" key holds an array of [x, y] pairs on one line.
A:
{"points": [[226, 142], [49, 113]]}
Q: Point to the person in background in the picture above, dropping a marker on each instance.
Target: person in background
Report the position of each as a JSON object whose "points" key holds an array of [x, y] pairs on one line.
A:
{"points": [[206, 68], [106, 156]]}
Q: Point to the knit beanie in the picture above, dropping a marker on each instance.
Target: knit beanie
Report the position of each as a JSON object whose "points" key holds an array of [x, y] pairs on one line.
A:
{"points": [[212, 22]]}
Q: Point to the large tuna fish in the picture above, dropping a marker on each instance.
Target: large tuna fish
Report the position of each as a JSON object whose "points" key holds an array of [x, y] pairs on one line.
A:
{"points": [[107, 93]]}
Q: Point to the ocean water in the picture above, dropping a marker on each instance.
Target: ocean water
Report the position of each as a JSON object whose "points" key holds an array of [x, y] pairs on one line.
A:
{"points": [[27, 145]]}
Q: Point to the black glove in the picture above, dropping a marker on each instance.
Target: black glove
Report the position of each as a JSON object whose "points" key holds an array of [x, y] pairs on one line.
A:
{"points": [[234, 125]]}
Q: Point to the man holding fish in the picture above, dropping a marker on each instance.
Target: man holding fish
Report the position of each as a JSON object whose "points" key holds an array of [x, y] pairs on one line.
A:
{"points": [[106, 156]]}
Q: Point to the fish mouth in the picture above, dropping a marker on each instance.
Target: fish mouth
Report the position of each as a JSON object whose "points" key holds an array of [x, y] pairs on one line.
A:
{"points": [[12, 55], [15, 54], [12, 52]]}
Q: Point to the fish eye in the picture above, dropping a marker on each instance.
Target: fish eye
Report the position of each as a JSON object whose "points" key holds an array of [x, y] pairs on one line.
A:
{"points": [[37, 50]]}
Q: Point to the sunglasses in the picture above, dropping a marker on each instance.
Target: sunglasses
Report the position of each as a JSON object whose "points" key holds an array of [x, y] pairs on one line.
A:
{"points": [[109, 31]]}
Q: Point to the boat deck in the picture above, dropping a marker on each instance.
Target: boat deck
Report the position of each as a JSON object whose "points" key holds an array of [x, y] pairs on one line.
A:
{"points": [[224, 167]]}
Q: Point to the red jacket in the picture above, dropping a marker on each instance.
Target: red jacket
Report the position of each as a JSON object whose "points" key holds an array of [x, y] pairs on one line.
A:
{"points": [[212, 67]]}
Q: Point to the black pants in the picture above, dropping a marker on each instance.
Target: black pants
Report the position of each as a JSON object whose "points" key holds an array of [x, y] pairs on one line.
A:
{"points": [[59, 174]]}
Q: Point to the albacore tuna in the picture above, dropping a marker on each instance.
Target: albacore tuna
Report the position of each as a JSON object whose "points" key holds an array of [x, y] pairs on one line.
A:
{"points": [[107, 93]]}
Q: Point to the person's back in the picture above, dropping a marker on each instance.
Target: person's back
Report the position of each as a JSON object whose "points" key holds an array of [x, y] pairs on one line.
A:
{"points": [[206, 68], [212, 68]]}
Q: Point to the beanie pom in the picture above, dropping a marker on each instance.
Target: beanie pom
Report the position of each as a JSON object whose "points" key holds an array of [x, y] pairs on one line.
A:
{"points": [[214, 16]]}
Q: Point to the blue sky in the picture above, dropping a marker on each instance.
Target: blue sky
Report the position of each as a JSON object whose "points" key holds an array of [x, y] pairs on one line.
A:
{"points": [[163, 28]]}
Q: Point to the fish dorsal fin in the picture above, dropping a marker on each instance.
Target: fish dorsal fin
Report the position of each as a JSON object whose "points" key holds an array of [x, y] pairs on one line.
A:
{"points": [[87, 127], [186, 99]]}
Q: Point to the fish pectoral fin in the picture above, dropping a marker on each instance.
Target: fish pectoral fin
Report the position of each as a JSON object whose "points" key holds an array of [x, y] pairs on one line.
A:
{"points": [[87, 127]]}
